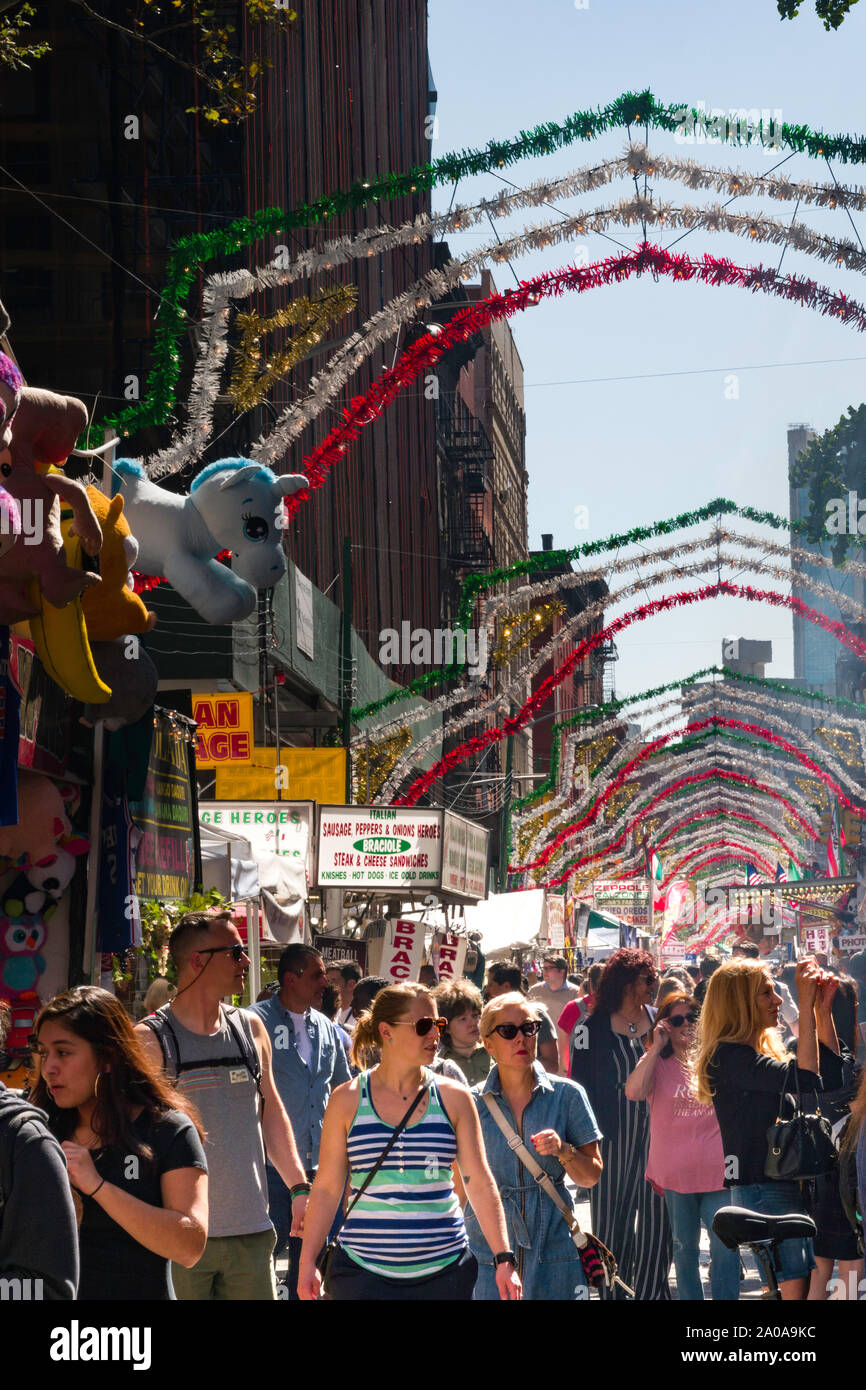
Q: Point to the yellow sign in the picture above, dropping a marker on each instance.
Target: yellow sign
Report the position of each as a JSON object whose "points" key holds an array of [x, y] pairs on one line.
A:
{"points": [[308, 774], [224, 737]]}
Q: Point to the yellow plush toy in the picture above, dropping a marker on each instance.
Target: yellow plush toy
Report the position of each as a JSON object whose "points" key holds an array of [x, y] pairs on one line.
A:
{"points": [[111, 609]]}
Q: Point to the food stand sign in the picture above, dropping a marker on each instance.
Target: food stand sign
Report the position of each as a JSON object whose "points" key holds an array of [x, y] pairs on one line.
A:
{"points": [[272, 827], [224, 736], [464, 858], [381, 847]]}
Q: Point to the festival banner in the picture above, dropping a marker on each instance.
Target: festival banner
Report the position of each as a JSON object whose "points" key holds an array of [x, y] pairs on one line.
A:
{"points": [[165, 857]]}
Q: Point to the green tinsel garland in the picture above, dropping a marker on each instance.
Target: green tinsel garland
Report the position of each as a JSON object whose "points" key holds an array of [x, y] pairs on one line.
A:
{"points": [[193, 252], [548, 559]]}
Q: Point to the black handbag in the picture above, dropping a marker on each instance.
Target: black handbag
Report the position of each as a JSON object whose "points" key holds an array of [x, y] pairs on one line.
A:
{"points": [[324, 1258], [802, 1147]]}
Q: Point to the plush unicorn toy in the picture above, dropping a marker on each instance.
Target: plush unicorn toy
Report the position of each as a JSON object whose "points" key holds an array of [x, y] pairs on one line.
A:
{"points": [[232, 505]]}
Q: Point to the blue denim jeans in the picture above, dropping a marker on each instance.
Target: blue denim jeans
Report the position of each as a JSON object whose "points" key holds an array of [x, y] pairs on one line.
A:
{"points": [[779, 1199], [688, 1211]]}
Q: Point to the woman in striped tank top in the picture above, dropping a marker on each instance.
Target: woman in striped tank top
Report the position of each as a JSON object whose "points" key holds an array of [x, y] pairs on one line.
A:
{"points": [[405, 1238]]}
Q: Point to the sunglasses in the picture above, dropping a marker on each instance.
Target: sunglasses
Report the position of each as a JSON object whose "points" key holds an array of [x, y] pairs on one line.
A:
{"points": [[509, 1031], [236, 952], [423, 1025], [677, 1020]]}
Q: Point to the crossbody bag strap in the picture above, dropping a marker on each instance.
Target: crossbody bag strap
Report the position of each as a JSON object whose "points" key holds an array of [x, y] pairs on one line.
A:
{"points": [[543, 1179], [383, 1155]]}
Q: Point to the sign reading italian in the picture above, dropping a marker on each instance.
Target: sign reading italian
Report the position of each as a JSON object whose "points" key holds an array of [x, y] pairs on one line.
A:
{"points": [[379, 847], [224, 737]]}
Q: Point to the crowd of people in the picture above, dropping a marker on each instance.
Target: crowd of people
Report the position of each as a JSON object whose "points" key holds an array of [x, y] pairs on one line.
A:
{"points": [[428, 1140]]}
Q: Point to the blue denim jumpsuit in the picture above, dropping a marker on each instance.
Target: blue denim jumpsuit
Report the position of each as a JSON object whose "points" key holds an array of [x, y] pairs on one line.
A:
{"points": [[548, 1260]]}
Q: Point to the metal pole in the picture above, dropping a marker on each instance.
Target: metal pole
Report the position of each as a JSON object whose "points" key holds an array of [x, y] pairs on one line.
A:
{"points": [[347, 663], [277, 736], [93, 858], [254, 950], [506, 809]]}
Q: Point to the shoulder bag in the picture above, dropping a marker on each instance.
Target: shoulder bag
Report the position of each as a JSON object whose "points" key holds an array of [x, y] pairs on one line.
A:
{"points": [[599, 1263], [802, 1147], [325, 1257]]}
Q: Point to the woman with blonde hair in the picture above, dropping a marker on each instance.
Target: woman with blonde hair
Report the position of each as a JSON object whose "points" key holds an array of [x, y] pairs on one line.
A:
{"points": [[403, 1237], [553, 1117], [745, 1072]]}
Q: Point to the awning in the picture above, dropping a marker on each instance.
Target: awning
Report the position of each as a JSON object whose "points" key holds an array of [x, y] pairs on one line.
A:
{"points": [[508, 922]]}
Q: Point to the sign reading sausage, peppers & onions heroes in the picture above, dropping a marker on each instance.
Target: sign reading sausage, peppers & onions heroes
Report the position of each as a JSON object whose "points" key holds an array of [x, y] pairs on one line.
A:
{"points": [[379, 847]]}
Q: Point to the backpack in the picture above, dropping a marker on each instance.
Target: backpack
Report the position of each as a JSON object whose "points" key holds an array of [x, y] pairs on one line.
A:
{"points": [[247, 1056]]}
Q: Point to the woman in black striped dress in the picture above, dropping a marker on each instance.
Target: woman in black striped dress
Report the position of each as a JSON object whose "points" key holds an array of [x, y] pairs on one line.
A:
{"points": [[627, 1215]]}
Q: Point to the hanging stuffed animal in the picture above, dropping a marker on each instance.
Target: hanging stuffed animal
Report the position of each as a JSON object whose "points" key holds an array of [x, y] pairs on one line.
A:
{"points": [[232, 505], [114, 609], [44, 427]]}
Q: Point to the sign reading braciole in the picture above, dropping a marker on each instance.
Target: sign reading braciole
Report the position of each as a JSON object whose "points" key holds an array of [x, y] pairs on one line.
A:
{"points": [[379, 847]]}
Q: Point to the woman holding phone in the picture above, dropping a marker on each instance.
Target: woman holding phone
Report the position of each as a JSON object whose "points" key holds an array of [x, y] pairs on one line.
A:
{"points": [[744, 1070], [686, 1162]]}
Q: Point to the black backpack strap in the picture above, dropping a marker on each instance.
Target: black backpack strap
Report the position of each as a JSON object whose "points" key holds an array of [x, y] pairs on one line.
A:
{"points": [[240, 1027], [159, 1023]]}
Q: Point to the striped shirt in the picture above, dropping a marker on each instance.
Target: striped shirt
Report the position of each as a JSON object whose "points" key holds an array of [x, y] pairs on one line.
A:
{"points": [[408, 1224]]}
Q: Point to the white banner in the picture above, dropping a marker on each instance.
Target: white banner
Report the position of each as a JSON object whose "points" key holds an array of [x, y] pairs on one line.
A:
{"points": [[850, 944], [555, 922], [449, 955], [816, 939], [402, 949]]}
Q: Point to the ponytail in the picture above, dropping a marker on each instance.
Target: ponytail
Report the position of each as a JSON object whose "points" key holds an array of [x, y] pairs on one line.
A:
{"points": [[389, 1006]]}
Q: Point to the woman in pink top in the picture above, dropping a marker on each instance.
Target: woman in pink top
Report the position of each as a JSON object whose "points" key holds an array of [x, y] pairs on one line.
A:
{"points": [[686, 1161]]}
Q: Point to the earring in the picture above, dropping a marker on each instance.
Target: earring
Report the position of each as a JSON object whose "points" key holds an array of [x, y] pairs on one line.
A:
{"points": [[96, 1085]]}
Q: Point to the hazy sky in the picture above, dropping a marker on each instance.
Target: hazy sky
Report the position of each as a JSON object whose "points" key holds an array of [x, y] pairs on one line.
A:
{"points": [[662, 437]]}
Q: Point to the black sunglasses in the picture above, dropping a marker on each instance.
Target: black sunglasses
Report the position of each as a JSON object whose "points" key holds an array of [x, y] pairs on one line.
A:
{"points": [[237, 952], [509, 1031], [677, 1021], [423, 1025]]}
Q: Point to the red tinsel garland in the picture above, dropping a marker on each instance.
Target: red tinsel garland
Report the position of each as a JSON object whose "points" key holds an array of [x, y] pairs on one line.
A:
{"points": [[679, 867], [622, 839], [636, 615], [716, 720], [730, 815], [645, 259], [693, 779], [428, 350]]}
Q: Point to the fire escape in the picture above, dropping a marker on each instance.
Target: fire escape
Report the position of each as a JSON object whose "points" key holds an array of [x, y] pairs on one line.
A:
{"points": [[468, 453]]}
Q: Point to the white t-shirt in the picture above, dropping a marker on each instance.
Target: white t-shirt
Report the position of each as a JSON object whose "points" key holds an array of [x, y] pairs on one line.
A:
{"points": [[302, 1037], [347, 1019]]}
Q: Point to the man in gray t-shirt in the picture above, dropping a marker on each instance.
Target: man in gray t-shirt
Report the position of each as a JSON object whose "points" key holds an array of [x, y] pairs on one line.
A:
{"points": [[220, 1059]]}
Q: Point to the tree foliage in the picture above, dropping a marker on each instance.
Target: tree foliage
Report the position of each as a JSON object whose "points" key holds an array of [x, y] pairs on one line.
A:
{"points": [[829, 466], [830, 12], [190, 34], [14, 53]]}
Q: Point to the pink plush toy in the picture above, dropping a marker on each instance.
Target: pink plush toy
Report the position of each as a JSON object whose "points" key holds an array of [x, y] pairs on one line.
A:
{"points": [[44, 428], [11, 384], [42, 821]]}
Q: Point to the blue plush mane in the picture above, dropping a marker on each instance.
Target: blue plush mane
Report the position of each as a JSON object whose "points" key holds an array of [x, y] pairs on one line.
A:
{"points": [[222, 465]]}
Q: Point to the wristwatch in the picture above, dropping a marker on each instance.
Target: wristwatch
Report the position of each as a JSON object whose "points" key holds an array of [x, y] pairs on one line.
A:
{"points": [[505, 1257]]}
